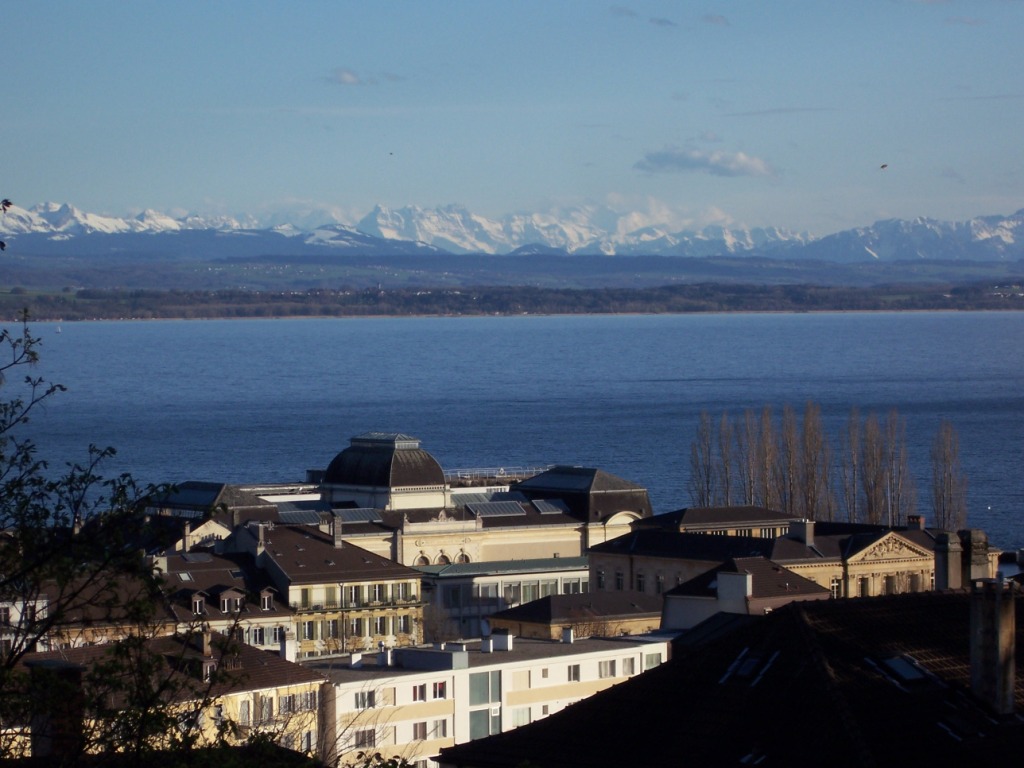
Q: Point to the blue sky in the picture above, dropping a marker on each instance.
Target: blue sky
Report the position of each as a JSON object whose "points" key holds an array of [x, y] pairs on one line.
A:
{"points": [[756, 113]]}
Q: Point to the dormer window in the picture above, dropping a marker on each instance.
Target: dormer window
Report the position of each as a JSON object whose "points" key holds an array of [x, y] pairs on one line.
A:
{"points": [[198, 606], [266, 602]]}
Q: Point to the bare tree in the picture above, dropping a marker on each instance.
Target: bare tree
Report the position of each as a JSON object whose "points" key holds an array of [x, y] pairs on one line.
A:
{"points": [[766, 486], [900, 499], [725, 461], [873, 476], [851, 468], [949, 485], [788, 467], [814, 465], [702, 463], [746, 460]]}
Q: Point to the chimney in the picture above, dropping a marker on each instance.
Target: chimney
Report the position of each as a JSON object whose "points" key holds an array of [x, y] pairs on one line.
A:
{"points": [[568, 635], [355, 661], [948, 556], [385, 657], [803, 530], [58, 709], [336, 531], [502, 640], [915, 522], [993, 644], [289, 647], [486, 644]]}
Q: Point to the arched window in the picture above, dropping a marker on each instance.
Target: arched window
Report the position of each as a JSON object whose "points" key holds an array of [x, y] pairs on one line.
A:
{"points": [[443, 560], [422, 560], [462, 557]]}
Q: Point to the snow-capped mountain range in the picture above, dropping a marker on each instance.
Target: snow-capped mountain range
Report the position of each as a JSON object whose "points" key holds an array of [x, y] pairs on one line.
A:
{"points": [[63, 229]]}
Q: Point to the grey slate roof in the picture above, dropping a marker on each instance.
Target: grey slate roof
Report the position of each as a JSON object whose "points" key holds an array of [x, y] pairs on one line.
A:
{"points": [[384, 460], [558, 609], [769, 580]]}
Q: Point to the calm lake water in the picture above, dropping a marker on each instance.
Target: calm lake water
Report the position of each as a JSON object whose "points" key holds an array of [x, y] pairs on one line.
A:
{"points": [[262, 401]]}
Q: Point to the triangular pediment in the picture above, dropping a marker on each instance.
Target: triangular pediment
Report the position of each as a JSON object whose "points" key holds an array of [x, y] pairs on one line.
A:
{"points": [[891, 546]]}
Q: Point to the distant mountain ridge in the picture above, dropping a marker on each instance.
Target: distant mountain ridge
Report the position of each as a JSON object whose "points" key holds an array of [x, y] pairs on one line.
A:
{"points": [[65, 230]]}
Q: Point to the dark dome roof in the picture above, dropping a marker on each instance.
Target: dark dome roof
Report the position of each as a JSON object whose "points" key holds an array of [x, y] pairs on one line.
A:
{"points": [[384, 460]]}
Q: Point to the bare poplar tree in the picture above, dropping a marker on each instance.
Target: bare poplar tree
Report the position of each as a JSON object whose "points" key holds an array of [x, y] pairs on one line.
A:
{"points": [[724, 469], [850, 467], [766, 487], [746, 461], [900, 498], [814, 465], [788, 467], [949, 485], [702, 463], [873, 475]]}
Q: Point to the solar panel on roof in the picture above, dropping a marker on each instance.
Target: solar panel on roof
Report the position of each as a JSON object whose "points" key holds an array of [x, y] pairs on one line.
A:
{"points": [[470, 498], [496, 509], [299, 516], [550, 506], [359, 515]]}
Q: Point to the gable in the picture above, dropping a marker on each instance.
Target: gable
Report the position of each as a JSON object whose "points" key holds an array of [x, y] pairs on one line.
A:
{"points": [[890, 546]]}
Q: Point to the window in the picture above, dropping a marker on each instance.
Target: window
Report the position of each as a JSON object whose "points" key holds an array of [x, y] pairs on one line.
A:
{"points": [[266, 707], [286, 704], [570, 586], [520, 716], [836, 587], [606, 668], [364, 700], [309, 630], [659, 584], [865, 586], [308, 700], [230, 604], [380, 625], [304, 598], [5, 616], [278, 634], [419, 692], [440, 729], [198, 606], [484, 722], [619, 581], [651, 660], [331, 597], [629, 666], [331, 628], [544, 673], [258, 636], [243, 712], [441, 690], [600, 579], [365, 738], [419, 731], [307, 741], [549, 587], [356, 628], [641, 582], [484, 688], [355, 595], [404, 624], [266, 602], [380, 593], [574, 673]]}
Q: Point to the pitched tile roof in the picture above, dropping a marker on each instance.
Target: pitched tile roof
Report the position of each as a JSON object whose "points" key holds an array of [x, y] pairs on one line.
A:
{"points": [[556, 609], [769, 580]]}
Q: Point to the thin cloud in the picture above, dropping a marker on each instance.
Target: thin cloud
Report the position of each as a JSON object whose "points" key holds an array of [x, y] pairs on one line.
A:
{"points": [[345, 76], [779, 111], [662, 22], [676, 160], [715, 18], [619, 10]]}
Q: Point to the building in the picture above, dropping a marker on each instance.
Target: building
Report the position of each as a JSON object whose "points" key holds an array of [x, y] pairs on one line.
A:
{"points": [[412, 702], [343, 597], [599, 614], [461, 596], [98, 698], [847, 559], [746, 521], [915, 679], [749, 586]]}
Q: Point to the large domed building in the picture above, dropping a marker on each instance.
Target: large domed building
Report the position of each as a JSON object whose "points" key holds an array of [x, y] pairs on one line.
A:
{"points": [[385, 470]]}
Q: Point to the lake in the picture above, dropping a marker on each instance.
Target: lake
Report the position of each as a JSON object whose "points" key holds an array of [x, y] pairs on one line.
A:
{"points": [[263, 400]]}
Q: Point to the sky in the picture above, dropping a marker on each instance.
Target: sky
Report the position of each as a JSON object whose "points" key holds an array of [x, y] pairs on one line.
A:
{"points": [[750, 113]]}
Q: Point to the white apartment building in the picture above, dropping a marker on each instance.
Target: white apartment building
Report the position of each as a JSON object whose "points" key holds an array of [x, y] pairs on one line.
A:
{"points": [[412, 702]]}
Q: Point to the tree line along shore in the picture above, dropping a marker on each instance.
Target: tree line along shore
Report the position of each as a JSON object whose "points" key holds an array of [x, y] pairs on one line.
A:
{"points": [[110, 304]]}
